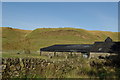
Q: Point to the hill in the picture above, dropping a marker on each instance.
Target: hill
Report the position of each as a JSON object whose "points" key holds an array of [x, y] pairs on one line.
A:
{"points": [[17, 39], [12, 39]]}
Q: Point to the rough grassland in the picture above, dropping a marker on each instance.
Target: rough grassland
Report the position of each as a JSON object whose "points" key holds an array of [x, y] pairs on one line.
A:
{"points": [[16, 39]]}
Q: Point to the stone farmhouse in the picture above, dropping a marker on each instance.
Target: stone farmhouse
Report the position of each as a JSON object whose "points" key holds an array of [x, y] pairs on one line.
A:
{"points": [[98, 49]]}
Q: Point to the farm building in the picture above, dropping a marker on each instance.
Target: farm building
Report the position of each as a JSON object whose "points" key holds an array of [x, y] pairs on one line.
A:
{"points": [[105, 48], [98, 48]]}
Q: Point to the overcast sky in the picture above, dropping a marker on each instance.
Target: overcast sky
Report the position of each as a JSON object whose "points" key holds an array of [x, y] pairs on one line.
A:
{"points": [[86, 15]]}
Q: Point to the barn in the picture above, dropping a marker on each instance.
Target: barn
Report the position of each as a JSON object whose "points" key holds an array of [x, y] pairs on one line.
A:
{"points": [[106, 48], [98, 48]]}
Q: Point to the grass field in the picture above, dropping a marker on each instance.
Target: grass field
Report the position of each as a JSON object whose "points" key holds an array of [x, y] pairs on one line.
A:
{"points": [[17, 39]]}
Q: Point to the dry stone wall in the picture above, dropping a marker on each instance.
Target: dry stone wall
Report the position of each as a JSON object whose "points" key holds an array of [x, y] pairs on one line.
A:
{"points": [[34, 68], [43, 68], [18, 67]]}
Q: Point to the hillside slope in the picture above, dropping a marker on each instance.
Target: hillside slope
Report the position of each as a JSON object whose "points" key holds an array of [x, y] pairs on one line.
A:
{"points": [[16, 39], [12, 39]]}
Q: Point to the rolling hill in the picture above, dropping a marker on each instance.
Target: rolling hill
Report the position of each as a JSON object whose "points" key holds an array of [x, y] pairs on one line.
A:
{"points": [[12, 39], [17, 39]]}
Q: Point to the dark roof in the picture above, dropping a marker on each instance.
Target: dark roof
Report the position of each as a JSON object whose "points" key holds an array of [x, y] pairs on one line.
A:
{"points": [[68, 48], [101, 47], [107, 46]]}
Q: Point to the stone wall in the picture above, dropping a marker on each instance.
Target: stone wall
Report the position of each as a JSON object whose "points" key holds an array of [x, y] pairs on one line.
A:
{"points": [[18, 67], [38, 68], [97, 55], [78, 54], [42, 68], [60, 54]]}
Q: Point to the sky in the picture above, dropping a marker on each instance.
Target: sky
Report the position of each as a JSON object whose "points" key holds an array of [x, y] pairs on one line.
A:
{"points": [[101, 16], [60, 0]]}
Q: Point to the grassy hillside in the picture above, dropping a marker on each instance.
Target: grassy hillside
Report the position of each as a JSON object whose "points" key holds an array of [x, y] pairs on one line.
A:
{"points": [[13, 38], [19, 39]]}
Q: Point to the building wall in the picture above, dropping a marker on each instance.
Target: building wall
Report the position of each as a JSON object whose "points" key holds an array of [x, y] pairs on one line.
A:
{"points": [[96, 55], [68, 54], [60, 54]]}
